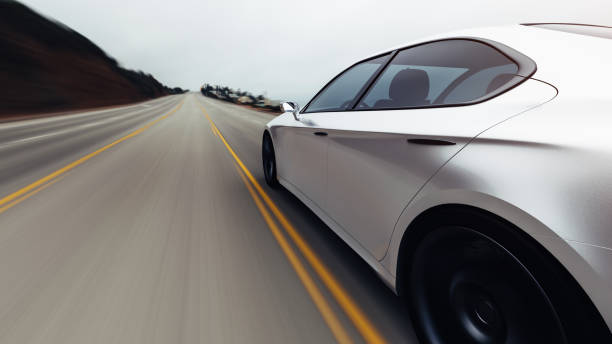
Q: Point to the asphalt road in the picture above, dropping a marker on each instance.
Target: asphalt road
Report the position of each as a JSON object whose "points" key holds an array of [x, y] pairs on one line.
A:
{"points": [[138, 225]]}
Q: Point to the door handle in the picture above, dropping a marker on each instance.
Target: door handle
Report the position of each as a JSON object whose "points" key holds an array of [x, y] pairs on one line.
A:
{"points": [[431, 142], [320, 133]]}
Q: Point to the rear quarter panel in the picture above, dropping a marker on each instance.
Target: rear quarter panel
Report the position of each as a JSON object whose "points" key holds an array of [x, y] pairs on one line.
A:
{"points": [[549, 172]]}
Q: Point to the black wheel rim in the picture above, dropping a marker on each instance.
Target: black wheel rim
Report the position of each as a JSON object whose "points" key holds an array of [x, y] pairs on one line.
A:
{"points": [[269, 162], [466, 288]]}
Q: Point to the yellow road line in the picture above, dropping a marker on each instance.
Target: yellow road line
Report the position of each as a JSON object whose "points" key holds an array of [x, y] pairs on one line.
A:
{"points": [[43, 180], [357, 316], [213, 129], [319, 300], [28, 195]]}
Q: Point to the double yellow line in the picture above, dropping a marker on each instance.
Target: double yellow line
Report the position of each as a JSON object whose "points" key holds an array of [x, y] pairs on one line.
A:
{"points": [[5, 207], [269, 213], [350, 308], [22, 194]]}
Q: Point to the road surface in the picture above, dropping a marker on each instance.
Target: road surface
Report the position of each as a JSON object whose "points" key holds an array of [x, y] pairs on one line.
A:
{"points": [[138, 224]]}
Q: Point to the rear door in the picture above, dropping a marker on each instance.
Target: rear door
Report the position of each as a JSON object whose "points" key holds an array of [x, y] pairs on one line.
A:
{"points": [[427, 104]]}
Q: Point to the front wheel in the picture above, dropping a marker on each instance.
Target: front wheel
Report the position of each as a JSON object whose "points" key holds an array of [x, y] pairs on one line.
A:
{"points": [[269, 161]]}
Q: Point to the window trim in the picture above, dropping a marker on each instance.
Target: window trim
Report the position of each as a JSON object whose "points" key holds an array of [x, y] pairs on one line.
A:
{"points": [[571, 24], [526, 69], [390, 55], [545, 26]]}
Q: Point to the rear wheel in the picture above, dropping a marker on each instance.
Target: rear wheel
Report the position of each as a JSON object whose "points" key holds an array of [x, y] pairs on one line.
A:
{"points": [[469, 289], [269, 161], [478, 280]]}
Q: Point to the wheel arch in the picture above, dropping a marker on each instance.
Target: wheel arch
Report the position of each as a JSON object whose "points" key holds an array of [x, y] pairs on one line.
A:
{"points": [[267, 133], [457, 212], [417, 229]]}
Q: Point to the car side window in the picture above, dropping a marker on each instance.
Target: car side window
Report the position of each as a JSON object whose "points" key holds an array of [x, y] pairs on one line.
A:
{"points": [[457, 71], [480, 83], [341, 92]]}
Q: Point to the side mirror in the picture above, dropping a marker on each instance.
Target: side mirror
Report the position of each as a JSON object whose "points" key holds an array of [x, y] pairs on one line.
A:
{"points": [[291, 107]]}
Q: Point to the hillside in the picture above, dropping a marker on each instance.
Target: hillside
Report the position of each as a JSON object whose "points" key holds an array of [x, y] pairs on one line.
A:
{"points": [[45, 66]]}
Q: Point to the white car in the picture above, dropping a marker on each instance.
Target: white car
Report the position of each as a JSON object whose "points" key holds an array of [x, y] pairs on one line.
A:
{"points": [[473, 172]]}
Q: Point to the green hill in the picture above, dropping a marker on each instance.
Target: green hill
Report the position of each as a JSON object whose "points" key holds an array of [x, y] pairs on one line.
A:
{"points": [[45, 66]]}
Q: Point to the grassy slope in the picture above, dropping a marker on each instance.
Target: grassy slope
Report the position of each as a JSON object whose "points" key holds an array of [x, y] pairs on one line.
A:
{"points": [[46, 66]]}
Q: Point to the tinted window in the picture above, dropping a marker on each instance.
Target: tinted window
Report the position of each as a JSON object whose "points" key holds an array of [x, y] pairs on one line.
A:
{"points": [[341, 92], [443, 72], [480, 83]]}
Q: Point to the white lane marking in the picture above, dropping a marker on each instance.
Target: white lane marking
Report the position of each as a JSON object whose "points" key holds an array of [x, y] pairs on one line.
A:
{"points": [[38, 121], [72, 129]]}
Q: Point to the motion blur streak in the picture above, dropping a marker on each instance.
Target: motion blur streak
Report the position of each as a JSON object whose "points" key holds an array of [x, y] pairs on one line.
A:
{"points": [[28, 195], [78, 162], [317, 297], [359, 319]]}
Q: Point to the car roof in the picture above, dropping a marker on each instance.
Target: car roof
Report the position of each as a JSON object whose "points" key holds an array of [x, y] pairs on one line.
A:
{"points": [[565, 59], [583, 29]]}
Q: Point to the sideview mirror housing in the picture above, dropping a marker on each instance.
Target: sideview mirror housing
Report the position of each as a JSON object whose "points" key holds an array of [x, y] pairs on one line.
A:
{"points": [[291, 107]]}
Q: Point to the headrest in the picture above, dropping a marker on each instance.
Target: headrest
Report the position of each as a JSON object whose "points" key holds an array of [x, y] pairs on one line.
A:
{"points": [[499, 81], [409, 87]]}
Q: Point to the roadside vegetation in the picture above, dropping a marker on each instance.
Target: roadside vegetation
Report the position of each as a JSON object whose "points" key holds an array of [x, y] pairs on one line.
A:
{"points": [[259, 102]]}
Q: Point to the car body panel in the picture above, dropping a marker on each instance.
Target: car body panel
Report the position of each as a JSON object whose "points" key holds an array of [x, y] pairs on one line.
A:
{"points": [[373, 147], [306, 170], [551, 164], [381, 162], [546, 170], [386, 276], [590, 265]]}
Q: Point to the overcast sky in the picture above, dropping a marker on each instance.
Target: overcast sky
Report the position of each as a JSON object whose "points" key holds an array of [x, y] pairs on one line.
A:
{"points": [[289, 49]]}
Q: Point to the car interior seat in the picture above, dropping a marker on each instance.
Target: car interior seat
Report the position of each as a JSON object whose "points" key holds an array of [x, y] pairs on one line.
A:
{"points": [[498, 82], [408, 88]]}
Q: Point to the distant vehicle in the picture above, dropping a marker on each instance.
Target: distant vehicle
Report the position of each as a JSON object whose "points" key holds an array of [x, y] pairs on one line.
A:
{"points": [[269, 104], [473, 172], [245, 100], [233, 97], [218, 95]]}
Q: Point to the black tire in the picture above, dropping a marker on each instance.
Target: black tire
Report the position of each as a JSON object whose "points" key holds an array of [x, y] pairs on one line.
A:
{"points": [[474, 278], [269, 161]]}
